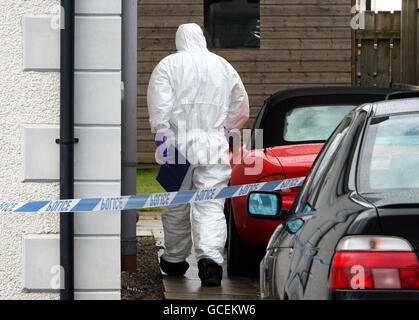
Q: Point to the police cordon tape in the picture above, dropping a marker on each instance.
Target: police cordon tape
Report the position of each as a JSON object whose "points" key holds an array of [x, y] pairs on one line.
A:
{"points": [[146, 200]]}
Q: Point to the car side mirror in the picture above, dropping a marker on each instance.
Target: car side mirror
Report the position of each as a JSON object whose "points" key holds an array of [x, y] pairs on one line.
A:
{"points": [[294, 225], [264, 205]]}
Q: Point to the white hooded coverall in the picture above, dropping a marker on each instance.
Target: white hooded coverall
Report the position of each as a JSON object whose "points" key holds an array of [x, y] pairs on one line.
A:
{"points": [[202, 93]]}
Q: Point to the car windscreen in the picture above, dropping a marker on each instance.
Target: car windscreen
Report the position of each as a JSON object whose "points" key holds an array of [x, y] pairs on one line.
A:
{"points": [[389, 161], [313, 123]]}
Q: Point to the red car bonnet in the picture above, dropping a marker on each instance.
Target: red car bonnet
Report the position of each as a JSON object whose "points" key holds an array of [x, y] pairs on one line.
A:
{"points": [[296, 160]]}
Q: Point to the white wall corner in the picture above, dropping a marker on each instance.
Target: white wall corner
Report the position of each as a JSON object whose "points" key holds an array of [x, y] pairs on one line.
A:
{"points": [[98, 43], [96, 263], [97, 156], [97, 295], [41, 153], [98, 7], [97, 98], [41, 43], [40, 262], [97, 223], [94, 35], [97, 162]]}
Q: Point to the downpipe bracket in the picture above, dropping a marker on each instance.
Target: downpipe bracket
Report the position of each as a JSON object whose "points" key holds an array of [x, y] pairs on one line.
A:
{"points": [[59, 141]]}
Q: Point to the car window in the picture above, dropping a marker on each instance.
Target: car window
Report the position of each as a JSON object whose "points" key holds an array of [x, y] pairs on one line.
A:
{"points": [[306, 199], [390, 157], [313, 123]]}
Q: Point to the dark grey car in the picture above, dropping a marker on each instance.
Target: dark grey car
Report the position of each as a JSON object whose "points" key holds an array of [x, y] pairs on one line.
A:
{"points": [[353, 230]]}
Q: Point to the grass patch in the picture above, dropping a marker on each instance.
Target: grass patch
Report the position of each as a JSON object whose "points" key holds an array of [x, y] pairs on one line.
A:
{"points": [[146, 184]]}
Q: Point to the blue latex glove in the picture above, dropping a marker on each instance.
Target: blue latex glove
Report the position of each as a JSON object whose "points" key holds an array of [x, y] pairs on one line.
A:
{"points": [[160, 140], [227, 134]]}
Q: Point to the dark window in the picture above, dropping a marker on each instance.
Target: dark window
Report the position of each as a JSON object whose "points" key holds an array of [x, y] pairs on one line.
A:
{"points": [[232, 23], [390, 157]]}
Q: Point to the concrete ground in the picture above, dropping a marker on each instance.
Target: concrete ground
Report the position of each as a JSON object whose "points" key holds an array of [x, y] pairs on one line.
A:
{"points": [[189, 287]]}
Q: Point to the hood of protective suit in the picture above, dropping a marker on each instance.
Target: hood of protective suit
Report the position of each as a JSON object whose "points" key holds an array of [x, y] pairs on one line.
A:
{"points": [[190, 37]]}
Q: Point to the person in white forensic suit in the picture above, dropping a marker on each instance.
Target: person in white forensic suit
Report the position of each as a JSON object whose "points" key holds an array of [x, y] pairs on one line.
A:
{"points": [[194, 97]]}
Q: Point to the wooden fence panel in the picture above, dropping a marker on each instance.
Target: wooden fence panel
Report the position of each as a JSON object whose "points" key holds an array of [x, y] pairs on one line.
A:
{"points": [[396, 61], [304, 43], [379, 58], [383, 63]]}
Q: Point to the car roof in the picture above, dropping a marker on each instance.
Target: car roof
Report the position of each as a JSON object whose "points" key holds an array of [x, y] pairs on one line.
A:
{"points": [[301, 92], [403, 95], [395, 106]]}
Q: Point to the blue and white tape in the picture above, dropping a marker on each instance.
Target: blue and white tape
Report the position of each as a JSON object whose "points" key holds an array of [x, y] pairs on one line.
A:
{"points": [[146, 200]]}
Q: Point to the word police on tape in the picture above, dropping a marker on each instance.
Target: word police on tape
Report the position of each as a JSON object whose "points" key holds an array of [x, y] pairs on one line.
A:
{"points": [[147, 200]]}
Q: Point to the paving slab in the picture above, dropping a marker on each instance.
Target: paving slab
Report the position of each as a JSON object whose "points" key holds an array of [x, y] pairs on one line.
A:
{"points": [[229, 286], [144, 233], [189, 287], [202, 296]]}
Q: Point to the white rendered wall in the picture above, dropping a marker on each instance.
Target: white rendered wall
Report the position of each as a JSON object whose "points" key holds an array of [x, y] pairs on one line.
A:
{"points": [[29, 111], [25, 98]]}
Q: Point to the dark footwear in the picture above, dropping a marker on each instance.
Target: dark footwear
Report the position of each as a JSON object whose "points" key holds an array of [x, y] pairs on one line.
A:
{"points": [[210, 273], [174, 269]]}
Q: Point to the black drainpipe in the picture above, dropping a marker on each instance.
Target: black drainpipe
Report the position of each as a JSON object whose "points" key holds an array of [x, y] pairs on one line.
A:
{"points": [[67, 148]]}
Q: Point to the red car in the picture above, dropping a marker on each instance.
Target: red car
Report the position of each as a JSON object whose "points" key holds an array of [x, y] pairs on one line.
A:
{"points": [[295, 124]]}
